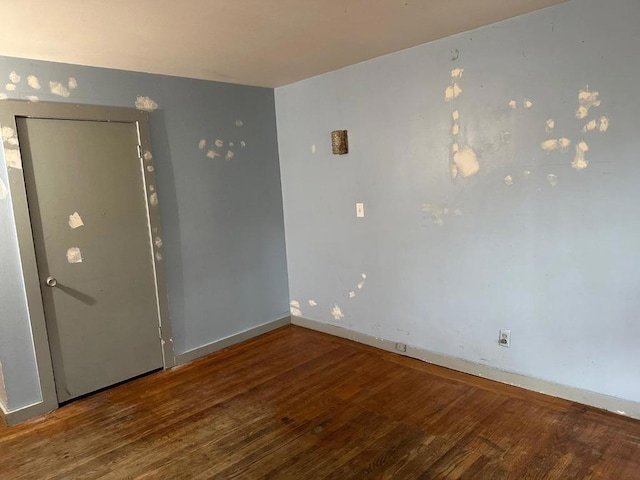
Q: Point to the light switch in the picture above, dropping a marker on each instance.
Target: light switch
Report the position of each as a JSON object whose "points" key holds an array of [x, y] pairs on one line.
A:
{"points": [[360, 210]]}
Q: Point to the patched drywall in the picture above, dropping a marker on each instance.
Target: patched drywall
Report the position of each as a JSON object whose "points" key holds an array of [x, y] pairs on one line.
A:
{"points": [[222, 243], [500, 184]]}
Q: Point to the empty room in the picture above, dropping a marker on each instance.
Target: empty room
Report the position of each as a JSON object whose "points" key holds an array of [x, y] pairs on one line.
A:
{"points": [[302, 239]]}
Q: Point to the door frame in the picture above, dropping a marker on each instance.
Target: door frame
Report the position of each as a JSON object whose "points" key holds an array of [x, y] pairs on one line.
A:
{"points": [[9, 111]]}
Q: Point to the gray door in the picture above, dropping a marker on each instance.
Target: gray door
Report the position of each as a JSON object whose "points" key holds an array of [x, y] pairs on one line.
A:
{"points": [[91, 234]]}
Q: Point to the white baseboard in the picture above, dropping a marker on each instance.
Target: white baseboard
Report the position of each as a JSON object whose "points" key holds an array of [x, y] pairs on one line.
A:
{"points": [[613, 404], [231, 340], [13, 417]]}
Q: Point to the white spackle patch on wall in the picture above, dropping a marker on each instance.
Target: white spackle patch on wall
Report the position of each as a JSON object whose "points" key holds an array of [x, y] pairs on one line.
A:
{"points": [[313, 149], [590, 125], [231, 144], [147, 155], [72, 83], [508, 180], [455, 115], [457, 72], [145, 103], [550, 125], [212, 154], [295, 308], [33, 82], [452, 91], [526, 173], [361, 283], [12, 157], [337, 313], [218, 143], [158, 256], [58, 89], [552, 179], [9, 87], [466, 161], [526, 103], [3, 96], [555, 144], [457, 212], [513, 104], [74, 255], [202, 143], [455, 130], [14, 77], [243, 143], [587, 99], [579, 161], [4, 191], [7, 133], [603, 124], [312, 303], [437, 212], [352, 294], [153, 199], [158, 242], [75, 220], [239, 123], [33, 98], [152, 188], [150, 168], [229, 155]]}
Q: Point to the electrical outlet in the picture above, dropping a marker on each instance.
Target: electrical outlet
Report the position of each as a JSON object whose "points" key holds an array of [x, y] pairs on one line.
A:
{"points": [[505, 338], [401, 347]]}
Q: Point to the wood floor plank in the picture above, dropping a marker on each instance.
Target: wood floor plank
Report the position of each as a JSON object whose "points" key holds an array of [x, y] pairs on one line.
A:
{"points": [[298, 404]]}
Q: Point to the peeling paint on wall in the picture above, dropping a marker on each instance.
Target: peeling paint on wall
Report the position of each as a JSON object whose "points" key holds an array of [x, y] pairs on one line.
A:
{"points": [[74, 255], [9, 136], [14, 77], [158, 242], [10, 87], [212, 154], [202, 143], [218, 143], [145, 103], [603, 124], [33, 98], [153, 199], [229, 155], [312, 303], [58, 89], [72, 83], [508, 180], [75, 220], [33, 82]]}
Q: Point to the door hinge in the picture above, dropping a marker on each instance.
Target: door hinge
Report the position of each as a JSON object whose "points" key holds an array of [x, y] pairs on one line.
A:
{"points": [[139, 151]]}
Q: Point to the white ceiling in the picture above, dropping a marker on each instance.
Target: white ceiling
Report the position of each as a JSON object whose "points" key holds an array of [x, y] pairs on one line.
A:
{"points": [[254, 42]]}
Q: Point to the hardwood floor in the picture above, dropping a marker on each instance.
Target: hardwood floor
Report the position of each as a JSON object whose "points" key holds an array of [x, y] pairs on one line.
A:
{"points": [[297, 404]]}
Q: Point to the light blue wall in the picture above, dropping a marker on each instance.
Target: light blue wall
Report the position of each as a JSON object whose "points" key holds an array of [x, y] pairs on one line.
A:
{"points": [[450, 262], [222, 218]]}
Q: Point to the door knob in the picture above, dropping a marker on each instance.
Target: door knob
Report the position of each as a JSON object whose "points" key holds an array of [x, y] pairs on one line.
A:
{"points": [[52, 282]]}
